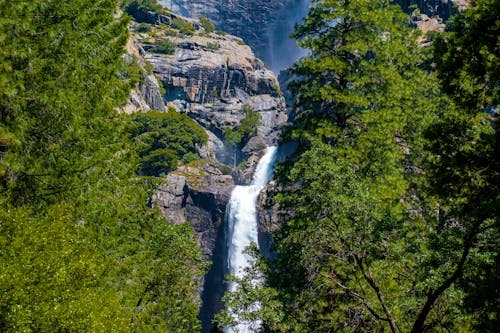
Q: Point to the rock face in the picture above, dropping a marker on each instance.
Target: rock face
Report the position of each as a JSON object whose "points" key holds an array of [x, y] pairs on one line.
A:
{"points": [[264, 24], [249, 19], [431, 15], [209, 76], [443, 9], [147, 95], [212, 77], [152, 94], [199, 194]]}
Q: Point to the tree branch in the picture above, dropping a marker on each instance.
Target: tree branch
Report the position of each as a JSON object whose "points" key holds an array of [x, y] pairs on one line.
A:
{"points": [[377, 290], [432, 296]]}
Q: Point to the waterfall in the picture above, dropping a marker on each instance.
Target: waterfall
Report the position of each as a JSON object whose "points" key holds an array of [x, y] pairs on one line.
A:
{"points": [[283, 51], [242, 223]]}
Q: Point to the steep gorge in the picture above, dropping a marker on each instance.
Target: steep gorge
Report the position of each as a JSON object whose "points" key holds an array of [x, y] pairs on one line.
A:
{"points": [[210, 76]]}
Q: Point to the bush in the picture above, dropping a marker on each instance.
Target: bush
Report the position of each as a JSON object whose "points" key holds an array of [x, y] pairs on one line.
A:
{"points": [[164, 47], [183, 26], [209, 27], [213, 46], [162, 139], [148, 5], [246, 129], [143, 27], [190, 157]]}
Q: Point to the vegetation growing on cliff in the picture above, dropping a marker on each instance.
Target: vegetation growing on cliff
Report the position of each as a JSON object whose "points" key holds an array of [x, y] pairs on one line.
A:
{"points": [[391, 219], [163, 139], [237, 137], [80, 249]]}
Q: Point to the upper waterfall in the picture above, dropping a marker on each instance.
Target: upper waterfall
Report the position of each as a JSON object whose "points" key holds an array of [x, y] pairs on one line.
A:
{"points": [[283, 50]]}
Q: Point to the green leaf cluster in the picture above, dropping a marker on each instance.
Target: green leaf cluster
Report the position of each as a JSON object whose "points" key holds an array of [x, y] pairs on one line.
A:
{"points": [[246, 129], [183, 26], [164, 47], [148, 5], [164, 138], [207, 25]]}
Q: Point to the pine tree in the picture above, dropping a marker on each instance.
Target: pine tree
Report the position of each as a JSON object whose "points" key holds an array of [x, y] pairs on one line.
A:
{"points": [[81, 249]]}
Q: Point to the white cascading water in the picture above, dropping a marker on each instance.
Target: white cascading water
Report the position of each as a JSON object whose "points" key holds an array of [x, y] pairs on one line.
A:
{"points": [[242, 226]]}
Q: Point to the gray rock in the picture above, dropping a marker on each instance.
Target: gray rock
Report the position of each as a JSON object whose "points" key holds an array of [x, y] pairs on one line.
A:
{"points": [[197, 194], [439, 9], [152, 94], [250, 19], [211, 84]]}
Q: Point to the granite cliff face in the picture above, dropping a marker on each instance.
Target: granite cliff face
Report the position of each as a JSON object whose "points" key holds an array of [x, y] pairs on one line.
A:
{"points": [[147, 95], [443, 9], [264, 25], [431, 15], [209, 76], [212, 77], [198, 194], [249, 19]]}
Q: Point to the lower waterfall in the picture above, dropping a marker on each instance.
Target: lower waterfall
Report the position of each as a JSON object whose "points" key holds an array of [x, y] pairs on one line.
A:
{"points": [[242, 223]]}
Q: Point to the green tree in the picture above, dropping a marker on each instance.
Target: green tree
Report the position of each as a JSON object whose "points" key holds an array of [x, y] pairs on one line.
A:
{"points": [[205, 22], [239, 136], [163, 139], [464, 169], [81, 250], [355, 245]]}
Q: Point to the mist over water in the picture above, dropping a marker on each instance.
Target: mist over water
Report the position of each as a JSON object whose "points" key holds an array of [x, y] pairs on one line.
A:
{"points": [[283, 51]]}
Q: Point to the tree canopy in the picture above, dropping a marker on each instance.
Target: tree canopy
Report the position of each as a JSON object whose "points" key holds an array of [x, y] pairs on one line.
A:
{"points": [[389, 206], [80, 248]]}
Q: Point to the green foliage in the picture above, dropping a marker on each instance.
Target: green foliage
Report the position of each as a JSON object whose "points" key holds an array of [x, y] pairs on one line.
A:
{"points": [[390, 205], [190, 157], [80, 249], [148, 5], [143, 27], [239, 136], [232, 137], [51, 276], [132, 71], [164, 138], [246, 129], [250, 122], [183, 26], [468, 57], [464, 168], [207, 25], [213, 46], [164, 46]]}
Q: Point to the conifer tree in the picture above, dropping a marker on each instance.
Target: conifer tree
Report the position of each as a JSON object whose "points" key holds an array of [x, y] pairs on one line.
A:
{"points": [[391, 201], [80, 248]]}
